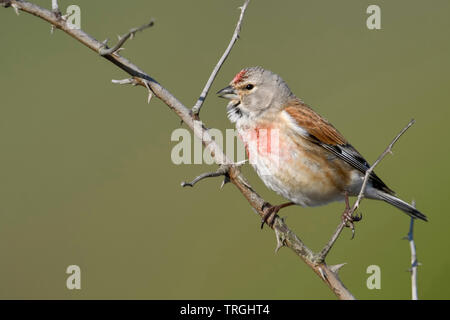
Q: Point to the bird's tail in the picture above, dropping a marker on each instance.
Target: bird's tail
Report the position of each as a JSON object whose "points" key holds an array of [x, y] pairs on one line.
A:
{"points": [[402, 205]]}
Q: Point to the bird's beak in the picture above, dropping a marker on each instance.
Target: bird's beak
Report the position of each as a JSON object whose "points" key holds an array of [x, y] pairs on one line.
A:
{"points": [[228, 93]]}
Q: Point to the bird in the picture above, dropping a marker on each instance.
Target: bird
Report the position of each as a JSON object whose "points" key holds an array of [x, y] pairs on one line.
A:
{"points": [[296, 152]]}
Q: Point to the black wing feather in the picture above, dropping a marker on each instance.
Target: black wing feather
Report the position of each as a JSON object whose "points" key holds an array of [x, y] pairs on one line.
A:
{"points": [[350, 155]]}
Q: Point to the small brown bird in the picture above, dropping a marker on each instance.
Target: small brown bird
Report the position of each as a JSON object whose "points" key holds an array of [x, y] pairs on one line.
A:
{"points": [[295, 151]]}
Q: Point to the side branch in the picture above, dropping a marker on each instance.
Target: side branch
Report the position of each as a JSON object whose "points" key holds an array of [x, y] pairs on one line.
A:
{"points": [[196, 109], [381, 157], [321, 256], [414, 262], [222, 171], [122, 39]]}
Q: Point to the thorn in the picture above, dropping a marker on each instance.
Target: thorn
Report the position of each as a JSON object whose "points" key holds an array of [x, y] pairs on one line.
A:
{"points": [[335, 268], [280, 240], [280, 245], [225, 181], [52, 29], [322, 274], [105, 42], [16, 8], [353, 231], [150, 93], [119, 37]]}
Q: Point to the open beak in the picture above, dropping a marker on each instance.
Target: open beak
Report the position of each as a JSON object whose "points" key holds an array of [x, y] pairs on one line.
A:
{"points": [[228, 93]]}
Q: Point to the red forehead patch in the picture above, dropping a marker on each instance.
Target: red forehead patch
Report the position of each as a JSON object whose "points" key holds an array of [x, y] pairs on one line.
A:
{"points": [[239, 76]]}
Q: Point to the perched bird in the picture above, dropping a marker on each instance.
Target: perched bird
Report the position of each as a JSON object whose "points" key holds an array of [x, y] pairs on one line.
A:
{"points": [[296, 152]]}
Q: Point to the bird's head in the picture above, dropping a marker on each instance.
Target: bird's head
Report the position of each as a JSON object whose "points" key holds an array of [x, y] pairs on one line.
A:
{"points": [[253, 91]]}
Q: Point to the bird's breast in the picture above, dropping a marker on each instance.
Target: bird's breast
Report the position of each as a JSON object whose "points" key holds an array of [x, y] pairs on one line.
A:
{"points": [[293, 166]]}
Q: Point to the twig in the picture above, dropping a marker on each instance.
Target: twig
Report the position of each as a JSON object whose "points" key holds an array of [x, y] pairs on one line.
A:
{"points": [[291, 240], [122, 39], [326, 249], [131, 81], [321, 256], [55, 7], [222, 171], [196, 109], [369, 171], [414, 262]]}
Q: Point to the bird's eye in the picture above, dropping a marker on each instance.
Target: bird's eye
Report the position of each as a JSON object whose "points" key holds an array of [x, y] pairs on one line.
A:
{"points": [[249, 87]]}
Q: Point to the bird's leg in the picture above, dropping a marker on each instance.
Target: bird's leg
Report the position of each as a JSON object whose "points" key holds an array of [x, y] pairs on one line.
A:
{"points": [[270, 212], [348, 217]]}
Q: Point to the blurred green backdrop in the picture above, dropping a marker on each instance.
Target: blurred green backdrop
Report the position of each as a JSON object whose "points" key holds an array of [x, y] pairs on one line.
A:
{"points": [[85, 169]]}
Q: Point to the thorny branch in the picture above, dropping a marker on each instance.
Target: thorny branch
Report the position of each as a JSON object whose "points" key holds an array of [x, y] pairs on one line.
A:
{"points": [[381, 157], [122, 39], [285, 237], [321, 256], [196, 109], [414, 262]]}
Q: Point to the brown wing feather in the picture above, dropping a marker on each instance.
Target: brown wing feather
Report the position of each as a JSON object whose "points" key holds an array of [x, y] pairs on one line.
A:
{"points": [[317, 126], [321, 132]]}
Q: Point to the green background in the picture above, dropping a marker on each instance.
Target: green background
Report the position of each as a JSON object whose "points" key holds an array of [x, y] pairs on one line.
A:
{"points": [[86, 174]]}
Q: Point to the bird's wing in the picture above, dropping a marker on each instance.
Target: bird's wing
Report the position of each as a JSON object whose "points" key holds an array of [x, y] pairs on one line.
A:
{"points": [[318, 130]]}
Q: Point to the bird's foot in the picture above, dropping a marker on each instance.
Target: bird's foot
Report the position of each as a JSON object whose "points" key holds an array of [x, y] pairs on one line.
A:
{"points": [[270, 212], [349, 217]]}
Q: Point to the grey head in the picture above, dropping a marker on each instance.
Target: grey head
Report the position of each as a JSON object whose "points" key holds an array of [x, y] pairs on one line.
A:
{"points": [[255, 90]]}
